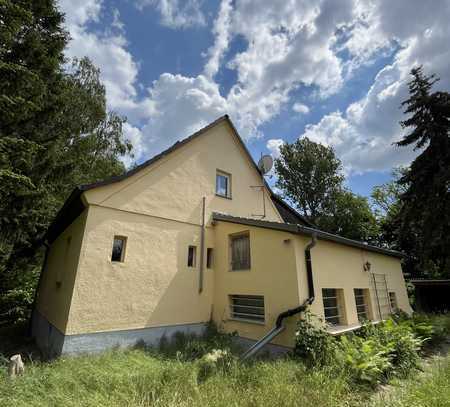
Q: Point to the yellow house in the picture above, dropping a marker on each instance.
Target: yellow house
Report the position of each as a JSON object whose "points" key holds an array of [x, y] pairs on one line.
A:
{"points": [[194, 235]]}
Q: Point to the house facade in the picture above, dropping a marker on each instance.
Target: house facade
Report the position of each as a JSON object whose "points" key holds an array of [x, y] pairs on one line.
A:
{"points": [[194, 235]]}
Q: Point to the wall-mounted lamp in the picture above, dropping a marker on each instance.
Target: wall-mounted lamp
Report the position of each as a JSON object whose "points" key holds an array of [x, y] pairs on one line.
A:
{"points": [[367, 266]]}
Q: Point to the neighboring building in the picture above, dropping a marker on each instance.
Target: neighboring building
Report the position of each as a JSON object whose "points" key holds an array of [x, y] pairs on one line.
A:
{"points": [[194, 235], [431, 295]]}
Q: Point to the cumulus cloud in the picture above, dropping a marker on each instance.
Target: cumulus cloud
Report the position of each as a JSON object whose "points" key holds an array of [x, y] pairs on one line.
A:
{"points": [[175, 13], [273, 145], [288, 45], [364, 134], [300, 108]]}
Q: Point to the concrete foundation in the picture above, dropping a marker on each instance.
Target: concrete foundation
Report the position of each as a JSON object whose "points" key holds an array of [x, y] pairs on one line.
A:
{"points": [[53, 343]]}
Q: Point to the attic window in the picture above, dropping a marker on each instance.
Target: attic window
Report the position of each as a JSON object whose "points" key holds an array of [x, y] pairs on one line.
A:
{"points": [[118, 249], [223, 184]]}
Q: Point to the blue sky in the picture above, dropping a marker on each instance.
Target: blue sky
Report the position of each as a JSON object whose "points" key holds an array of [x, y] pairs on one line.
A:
{"points": [[334, 71]]}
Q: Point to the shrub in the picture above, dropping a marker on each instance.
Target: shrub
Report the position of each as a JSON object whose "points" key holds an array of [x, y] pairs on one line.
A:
{"points": [[398, 340], [364, 359], [313, 343]]}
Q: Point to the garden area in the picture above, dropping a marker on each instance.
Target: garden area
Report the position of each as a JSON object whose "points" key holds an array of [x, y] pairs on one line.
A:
{"points": [[400, 362]]}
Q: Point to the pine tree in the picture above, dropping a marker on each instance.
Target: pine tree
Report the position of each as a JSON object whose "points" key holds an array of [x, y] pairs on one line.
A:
{"points": [[424, 218]]}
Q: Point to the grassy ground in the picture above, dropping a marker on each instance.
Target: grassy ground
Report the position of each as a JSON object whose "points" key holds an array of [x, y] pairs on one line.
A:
{"points": [[145, 377], [139, 378]]}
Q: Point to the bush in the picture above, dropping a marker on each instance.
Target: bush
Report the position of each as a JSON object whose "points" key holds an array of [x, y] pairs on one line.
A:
{"points": [[313, 343], [398, 340], [364, 359]]}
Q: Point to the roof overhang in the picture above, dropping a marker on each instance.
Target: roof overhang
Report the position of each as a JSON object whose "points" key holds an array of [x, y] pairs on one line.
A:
{"points": [[304, 230]]}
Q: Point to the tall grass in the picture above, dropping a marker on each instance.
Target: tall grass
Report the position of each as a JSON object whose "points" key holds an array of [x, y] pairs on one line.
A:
{"points": [[175, 375]]}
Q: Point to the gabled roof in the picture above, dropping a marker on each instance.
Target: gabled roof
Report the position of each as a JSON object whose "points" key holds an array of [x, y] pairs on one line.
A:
{"points": [[73, 206], [304, 230]]}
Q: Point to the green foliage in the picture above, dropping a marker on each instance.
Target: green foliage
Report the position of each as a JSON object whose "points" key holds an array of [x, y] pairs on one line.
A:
{"points": [[350, 216], [55, 133], [424, 218], [313, 344], [365, 360], [310, 175]]}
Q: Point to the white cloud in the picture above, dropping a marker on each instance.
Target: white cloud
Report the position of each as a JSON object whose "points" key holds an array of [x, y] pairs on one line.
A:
{"points": [[176, 13], [273, 145], [289, 44], [364, 134], [300, 108], [221, 30]]}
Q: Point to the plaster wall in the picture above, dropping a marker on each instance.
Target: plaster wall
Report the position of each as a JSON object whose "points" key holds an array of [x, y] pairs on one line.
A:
{"points": [[339, 266], [58, 277], [152, 287], [273, 274], [174, 185]]}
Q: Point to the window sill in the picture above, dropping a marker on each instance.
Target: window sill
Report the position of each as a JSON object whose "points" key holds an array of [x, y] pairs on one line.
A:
{"points": [[342, 329], [246, 321], [238, 271], [223, 196]]}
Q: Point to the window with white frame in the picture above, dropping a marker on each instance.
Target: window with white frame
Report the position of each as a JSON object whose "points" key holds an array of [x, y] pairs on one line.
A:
{"points": [[223, 184], [240, 251], [362, 304], [332, 306], [247, 308], [393, 301]]}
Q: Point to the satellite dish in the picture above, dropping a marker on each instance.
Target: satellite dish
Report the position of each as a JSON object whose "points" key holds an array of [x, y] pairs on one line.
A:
{"points": [[265, 164]]}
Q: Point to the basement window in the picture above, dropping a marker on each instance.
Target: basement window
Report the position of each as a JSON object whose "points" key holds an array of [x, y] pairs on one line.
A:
{"points": [[393, 301], [248, 308], [223, 184], [192, 254], [362, 306], [118, 249], [240, 251], [333, 306], [209, 258]]}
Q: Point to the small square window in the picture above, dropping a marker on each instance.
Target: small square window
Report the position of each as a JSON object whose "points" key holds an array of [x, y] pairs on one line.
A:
{"points": [[240, 252], [118, 250], [209, 258], [223, 184], [192, 256]]}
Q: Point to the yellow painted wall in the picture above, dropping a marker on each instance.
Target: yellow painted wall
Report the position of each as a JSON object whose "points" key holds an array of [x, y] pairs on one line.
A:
{"points": [[152, 287], [273, 275], [54, 299], [173, 186], [339, 266]]}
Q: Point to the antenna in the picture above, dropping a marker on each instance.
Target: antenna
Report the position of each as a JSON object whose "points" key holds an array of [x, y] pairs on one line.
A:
{"points": [[265, 164]]}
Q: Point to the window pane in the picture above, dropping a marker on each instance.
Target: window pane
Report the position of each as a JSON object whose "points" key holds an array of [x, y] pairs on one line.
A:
{"points": [[118, 249], [240, 252], [222, 187]]}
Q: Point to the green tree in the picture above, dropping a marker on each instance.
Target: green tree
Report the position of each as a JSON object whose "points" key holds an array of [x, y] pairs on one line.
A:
{"points": [[55, 132], [310, 176], [350, 216], [424, 216], [386, 201]]}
